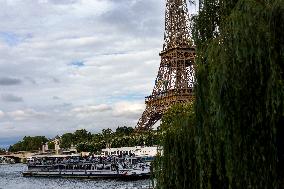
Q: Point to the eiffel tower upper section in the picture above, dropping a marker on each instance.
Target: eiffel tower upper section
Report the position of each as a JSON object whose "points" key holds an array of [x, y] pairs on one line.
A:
{"points": [[175, 79]]}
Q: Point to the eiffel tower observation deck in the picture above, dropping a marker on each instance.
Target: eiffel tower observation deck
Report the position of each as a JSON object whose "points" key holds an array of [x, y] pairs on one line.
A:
{"points": [[175, 79]]}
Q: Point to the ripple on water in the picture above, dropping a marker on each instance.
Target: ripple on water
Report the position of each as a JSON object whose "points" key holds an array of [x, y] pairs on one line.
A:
{"points": [[11, 178]]}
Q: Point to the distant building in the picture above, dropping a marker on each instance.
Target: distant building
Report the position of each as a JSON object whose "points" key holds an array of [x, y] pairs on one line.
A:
{"points": [[56, 142], [70, 151], [56, 150], [45, 148], [136, 150]]}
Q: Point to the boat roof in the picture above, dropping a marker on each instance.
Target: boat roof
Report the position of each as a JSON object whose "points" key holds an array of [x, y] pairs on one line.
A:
{"points": [[55, 156]]}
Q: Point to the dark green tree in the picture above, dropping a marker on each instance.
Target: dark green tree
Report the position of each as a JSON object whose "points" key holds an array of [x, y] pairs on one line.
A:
{"points": [[107, 135], [67, 140], [85, 147], [51, 145], [177, 167], [238, 136], [2, 151], [29, 144], [82, 135], [122, 131], [239, 92]]}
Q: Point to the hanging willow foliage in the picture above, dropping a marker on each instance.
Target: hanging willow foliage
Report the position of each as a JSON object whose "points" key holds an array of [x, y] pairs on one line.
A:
{"points": [[240, 96], [236, 138], [176, 168]]}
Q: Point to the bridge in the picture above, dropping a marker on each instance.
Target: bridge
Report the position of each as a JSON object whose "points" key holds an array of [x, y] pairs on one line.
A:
{"points": [[19, 156]]}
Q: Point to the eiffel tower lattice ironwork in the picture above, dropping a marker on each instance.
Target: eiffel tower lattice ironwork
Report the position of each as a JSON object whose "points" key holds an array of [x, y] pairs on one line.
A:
{"points": [[175, 79]]}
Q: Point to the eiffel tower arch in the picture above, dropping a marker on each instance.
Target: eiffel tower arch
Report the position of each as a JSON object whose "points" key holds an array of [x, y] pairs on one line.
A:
{"points": [[175, 79]]}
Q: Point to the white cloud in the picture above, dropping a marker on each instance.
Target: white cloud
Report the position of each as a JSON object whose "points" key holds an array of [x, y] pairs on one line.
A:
{"points": [[2, 114], [88, 111], [128, 109], [20, 115], [7, 126]]}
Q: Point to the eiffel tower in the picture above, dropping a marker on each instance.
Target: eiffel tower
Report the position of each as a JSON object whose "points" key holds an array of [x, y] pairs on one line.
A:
{"points": [[175, 79]]}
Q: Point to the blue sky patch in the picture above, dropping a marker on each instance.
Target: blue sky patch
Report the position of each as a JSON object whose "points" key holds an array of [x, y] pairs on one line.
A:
{"points": [[13, 39], [77, 63]]}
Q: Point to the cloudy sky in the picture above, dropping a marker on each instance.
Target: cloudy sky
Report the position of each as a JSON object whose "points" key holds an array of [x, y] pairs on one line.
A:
{"points": [[73, 64]]}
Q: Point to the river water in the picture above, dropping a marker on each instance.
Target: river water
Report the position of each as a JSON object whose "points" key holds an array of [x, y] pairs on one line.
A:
{"points": [[11, 178]]}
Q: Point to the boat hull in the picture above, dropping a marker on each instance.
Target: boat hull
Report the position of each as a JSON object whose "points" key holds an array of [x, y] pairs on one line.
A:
{"points": [[86, 175]]}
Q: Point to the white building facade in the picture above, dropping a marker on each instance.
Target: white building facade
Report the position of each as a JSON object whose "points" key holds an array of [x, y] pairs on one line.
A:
{"points": [[136, 150]]}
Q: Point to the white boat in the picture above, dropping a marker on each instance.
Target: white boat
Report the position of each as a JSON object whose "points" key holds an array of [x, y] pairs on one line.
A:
{"points": [[127, 168]]}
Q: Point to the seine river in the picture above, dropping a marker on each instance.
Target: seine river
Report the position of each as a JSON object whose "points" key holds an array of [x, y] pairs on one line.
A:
{"points": [[11, 178]]}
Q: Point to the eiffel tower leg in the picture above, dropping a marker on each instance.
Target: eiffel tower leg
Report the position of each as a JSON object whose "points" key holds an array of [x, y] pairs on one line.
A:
{"points": [[148, 118]]}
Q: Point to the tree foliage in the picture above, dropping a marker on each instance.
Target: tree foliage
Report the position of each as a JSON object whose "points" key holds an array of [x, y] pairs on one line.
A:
{"points": [[123, 136], [2, 151], [51, 145], [67, 140], [176, 168], [81, 135], [239, 100], [85, 141], [121, 131], [29, 144], [239, 92]]}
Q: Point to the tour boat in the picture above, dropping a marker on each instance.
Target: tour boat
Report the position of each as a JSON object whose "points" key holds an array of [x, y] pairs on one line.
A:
{"points": [[129, 168]]}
